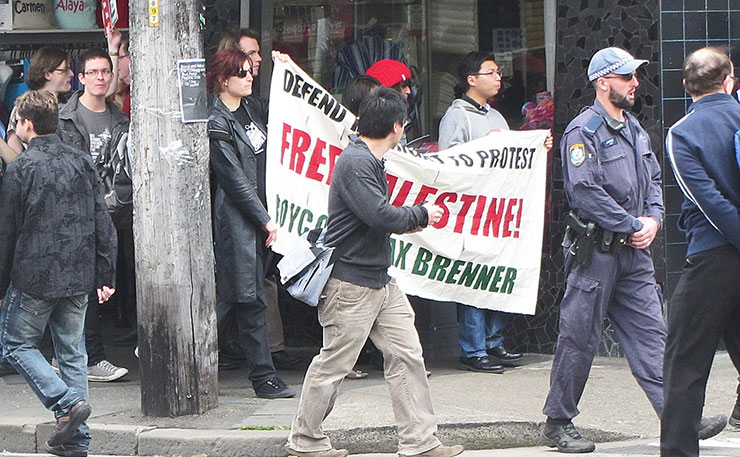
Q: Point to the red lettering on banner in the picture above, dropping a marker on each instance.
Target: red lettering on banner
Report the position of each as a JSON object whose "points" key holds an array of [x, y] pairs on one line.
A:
{"points": [[518, 218], [334, 152], [403, 193], [424, 193], [285, 144], [452, 197], [392, 180], [301, 143], [509, 216], [317, 158], [479, 208], [467, 200], [493, 218]]}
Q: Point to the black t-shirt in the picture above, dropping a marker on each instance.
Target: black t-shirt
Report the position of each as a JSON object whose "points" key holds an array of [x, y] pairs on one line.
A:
{"points": [[258, 139]]}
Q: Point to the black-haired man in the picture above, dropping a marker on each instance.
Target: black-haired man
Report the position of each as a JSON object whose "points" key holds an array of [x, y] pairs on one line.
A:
{"points": [[361, 300]]}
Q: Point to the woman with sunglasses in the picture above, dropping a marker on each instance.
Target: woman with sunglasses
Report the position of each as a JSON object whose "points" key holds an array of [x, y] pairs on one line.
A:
{"points": [[242, 228]]}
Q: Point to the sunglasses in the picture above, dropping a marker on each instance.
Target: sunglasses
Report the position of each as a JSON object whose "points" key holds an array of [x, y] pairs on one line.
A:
{"points": [[627, 77], [242, 73]]}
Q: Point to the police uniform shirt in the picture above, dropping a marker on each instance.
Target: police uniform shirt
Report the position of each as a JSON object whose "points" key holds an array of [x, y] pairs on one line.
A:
{"points": [[611, 174]]}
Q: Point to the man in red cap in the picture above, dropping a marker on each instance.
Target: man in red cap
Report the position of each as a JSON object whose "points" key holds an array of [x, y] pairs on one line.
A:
{"points": [[393, 74]]}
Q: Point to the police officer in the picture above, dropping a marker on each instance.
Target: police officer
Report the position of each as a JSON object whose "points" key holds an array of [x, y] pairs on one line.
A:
{"points": [[612, 181]]}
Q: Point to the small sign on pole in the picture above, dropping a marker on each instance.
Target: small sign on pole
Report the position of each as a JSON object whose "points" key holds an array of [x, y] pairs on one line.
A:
{"points": [[191, 79], [153, 13]]}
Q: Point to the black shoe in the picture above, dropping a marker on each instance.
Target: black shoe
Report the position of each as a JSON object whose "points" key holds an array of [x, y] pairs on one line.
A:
{"points": [[6, 369], [501, 355], [129, 338], [566, 438], [227, 365], [67, 425], [63, 451], [483, 364], [710, 426], [283, 360], [274, 388], [735, 416]]}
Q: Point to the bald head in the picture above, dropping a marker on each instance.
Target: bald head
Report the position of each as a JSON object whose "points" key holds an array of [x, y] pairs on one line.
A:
{"points": [[705, 71]]}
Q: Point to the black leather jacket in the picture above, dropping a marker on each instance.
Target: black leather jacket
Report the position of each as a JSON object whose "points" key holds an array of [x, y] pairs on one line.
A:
{"points": [[238, 214]]}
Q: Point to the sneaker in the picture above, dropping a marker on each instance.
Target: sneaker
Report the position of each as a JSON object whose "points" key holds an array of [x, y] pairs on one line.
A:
{"points": [[67, 425], [104, 371], [63, 451], [439, 451], [274, 388], [55, 365], [566, 438], [711, 426], [326, 453]]}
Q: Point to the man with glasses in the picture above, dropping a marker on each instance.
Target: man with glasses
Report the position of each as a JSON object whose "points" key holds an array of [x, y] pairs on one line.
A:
{"points": [[468, 118], [91, 123], [613, 184], [705, 305]]}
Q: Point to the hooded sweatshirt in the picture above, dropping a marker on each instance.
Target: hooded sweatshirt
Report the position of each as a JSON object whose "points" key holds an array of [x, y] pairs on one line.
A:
{"points": [[465, 120]]}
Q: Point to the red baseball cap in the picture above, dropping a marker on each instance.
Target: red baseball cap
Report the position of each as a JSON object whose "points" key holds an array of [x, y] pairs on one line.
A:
{"points": [[389, 72]]}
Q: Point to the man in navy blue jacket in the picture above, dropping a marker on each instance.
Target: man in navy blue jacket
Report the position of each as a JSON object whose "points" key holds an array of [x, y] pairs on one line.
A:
{"points": [[706, 303]]}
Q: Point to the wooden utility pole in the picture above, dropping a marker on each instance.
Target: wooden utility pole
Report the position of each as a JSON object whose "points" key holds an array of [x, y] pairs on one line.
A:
{"points": [[175, 285]]}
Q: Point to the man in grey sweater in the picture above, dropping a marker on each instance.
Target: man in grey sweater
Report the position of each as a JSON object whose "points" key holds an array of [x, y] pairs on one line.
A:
{"points": [[361, 300]]}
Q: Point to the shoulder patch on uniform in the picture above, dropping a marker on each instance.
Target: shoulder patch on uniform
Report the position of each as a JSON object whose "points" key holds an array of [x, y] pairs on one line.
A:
{"points": [[609, 142], [577, 153], [592, 125]]}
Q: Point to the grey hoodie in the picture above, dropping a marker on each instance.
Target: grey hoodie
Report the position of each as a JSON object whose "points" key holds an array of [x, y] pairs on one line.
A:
{"points": [[464, 122]]}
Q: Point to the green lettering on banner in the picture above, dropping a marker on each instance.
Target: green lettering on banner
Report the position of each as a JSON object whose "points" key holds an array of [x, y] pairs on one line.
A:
{"points": [[401, 259], [393, 249], [484, 277], [469, 274], [323, 221], [454, 271], [294, 210], [421, 264], [306, 215], [497, 278], [508, 286], [440, 265], [282, 212]]}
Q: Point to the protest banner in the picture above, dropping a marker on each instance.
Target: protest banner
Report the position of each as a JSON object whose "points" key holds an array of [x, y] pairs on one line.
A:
{"points": [[486, 249]]}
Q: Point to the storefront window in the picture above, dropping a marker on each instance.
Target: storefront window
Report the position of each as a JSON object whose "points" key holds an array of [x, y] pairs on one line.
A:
{"points": [[335, 40]]}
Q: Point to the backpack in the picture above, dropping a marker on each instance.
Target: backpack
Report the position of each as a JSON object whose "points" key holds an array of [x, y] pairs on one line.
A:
{"points": [[114, 167]]}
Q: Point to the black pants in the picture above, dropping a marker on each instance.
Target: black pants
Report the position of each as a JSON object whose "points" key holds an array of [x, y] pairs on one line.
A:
{"points": [[250, 321], [704, 307], [93, 338]]}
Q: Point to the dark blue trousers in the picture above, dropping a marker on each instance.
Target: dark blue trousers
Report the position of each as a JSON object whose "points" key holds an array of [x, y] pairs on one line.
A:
{"points": [[620, 286]]}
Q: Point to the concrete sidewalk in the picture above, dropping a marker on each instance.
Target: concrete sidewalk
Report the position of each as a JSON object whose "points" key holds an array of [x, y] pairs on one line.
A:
{"points": [[481, 411]]}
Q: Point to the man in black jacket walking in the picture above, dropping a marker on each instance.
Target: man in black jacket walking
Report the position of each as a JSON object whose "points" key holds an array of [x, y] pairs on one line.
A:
{"points": [[57, 244], [361, 300]]}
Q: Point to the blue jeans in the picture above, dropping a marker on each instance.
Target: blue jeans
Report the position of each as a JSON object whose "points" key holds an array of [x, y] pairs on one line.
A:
{"points": [[22, 327], [480, 329]]}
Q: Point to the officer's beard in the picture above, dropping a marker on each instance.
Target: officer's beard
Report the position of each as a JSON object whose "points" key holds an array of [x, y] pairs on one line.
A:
{"points": [[620, 100]]}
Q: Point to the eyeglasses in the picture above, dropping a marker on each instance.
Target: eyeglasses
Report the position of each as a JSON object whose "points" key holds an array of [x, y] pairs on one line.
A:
{"points": [[627, 77], [242, 73], [488, 73], [104, 72], [61, 70], [406, 83]]}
